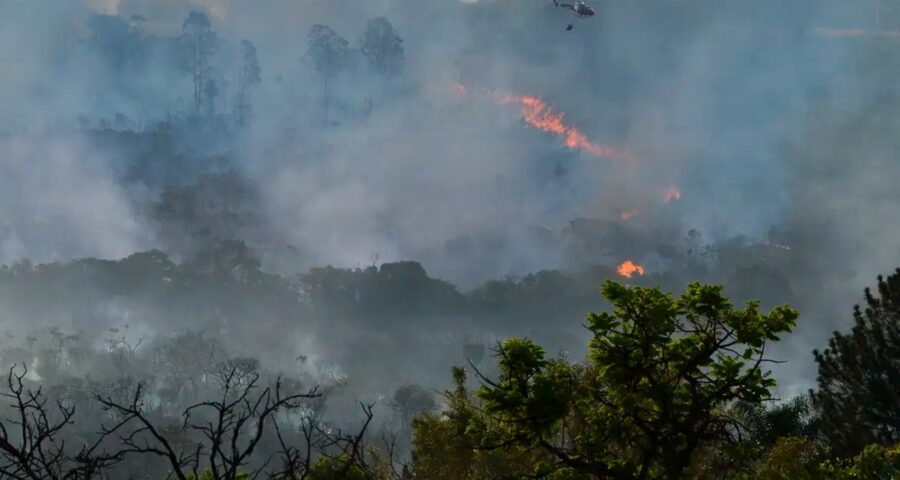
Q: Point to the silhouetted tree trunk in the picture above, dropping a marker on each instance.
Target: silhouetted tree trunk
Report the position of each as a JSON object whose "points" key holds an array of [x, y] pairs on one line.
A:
{"points": [[329, 53]]}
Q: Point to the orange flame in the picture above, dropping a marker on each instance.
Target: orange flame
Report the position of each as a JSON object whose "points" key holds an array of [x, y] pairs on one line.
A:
{"points": [[539, 115], [672, 194], [628, 268], [628, 215]]}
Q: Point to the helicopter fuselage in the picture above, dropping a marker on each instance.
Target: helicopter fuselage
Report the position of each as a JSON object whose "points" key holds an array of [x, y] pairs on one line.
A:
{"points": [[584, 11]]}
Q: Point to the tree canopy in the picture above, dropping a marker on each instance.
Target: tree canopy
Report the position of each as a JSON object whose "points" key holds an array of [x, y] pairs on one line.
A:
{"points": [[382, 46], [859, 374], [658, 378]]}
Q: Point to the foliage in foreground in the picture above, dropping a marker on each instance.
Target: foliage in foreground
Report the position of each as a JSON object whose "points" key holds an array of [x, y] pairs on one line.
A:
{"points": [[671, 388], [859, 374], [655, 387]]}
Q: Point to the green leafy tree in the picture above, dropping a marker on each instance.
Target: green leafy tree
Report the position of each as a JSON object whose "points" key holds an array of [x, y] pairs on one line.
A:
{"points": [[756, 442], [440, 447], [209, 475], [765, 425], [793, 458], [659, 376], [339, 468], [858, 394], [874, 462], [443, 449]]}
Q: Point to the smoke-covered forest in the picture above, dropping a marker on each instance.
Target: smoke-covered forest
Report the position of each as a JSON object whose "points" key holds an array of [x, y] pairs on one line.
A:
{"points": [[346, 239]]}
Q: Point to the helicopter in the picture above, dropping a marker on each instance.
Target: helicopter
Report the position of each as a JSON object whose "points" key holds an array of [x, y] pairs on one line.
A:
{"points": [[582, 9]]}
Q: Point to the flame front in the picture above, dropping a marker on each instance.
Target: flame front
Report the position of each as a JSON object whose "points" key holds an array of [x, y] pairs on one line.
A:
{"points": [[672, 194], [628, 268], [539, 115], [628, 215]]}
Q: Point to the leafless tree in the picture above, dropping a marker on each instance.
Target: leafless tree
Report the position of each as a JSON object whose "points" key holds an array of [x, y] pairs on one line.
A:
{"points": [[223, 434], [320, 441], [32, 438]]}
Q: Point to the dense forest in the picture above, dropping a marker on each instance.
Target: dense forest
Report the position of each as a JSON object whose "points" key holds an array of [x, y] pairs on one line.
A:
{"points": [[669, 387], [449, 240]]}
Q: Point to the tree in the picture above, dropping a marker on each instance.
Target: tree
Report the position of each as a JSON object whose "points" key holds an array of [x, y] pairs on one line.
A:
{"points": [[229, 429], [111, 36], [32, 438], [411, 401], [198, 44], [764, 425], [875, 462], [802, 459], [138, 25], [326, 453], [858, 395], [211, 92], [228, 262], [443, 450], [382, 47], [249, 76], [772, 441], [329, 53], [793, 458], [659, 373], [119, 43]]}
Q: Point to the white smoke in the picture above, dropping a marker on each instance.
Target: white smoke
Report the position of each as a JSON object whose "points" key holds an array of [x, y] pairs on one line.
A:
{"points": [[58, 201]]}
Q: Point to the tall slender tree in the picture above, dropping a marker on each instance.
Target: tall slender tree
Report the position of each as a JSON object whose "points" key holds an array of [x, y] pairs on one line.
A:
{"points": [[249, 76], [198, 44], [859, 374], [329, 53]]}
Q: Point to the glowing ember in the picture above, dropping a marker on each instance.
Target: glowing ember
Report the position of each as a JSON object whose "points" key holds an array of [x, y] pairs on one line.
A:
{"points": [[628, 268], [539, 115], [460, 89], [628, 215], [672, 194]]}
